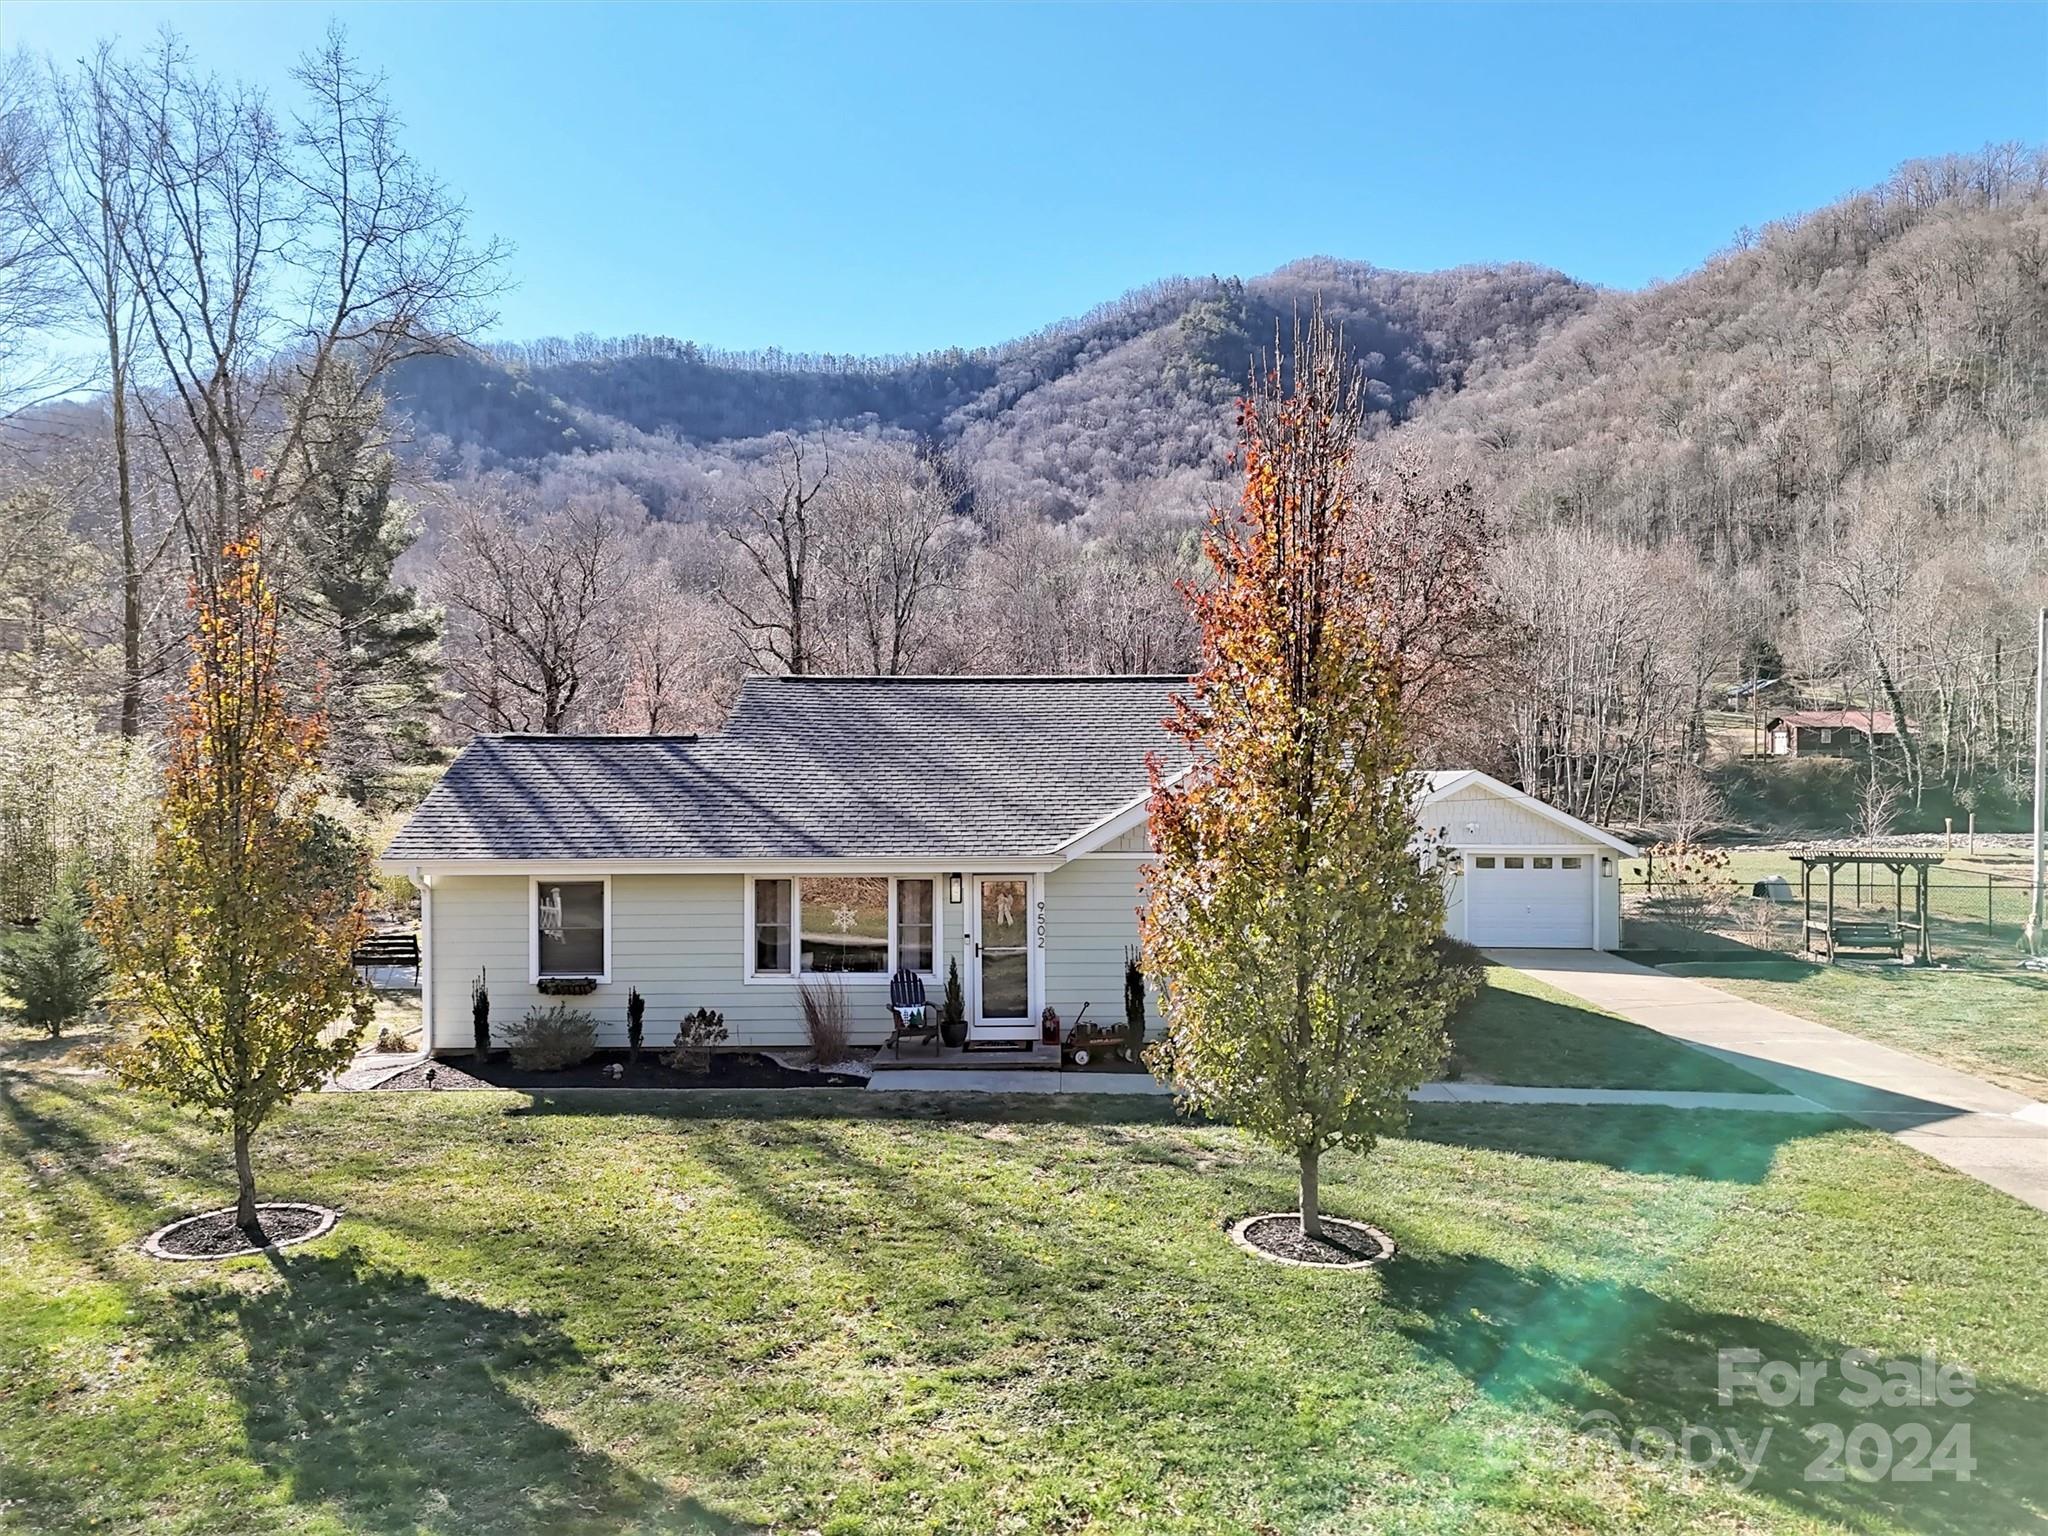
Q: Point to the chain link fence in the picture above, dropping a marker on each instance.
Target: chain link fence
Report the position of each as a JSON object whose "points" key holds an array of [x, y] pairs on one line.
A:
{"points": [[1970, 911]]}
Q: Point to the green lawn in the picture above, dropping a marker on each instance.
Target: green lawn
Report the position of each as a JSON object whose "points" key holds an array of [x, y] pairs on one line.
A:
{"points": [[848, 1313], [1517, 1030], [1991, 1023]]}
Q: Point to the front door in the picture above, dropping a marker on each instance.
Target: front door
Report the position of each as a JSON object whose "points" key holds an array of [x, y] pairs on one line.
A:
{"points": [[1001, 947]]}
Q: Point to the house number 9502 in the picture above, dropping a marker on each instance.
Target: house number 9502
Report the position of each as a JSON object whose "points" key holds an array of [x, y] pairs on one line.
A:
{"points": [[1041, 925]]}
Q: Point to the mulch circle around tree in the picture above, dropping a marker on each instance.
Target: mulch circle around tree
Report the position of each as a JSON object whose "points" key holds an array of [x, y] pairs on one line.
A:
{"points": [[216, 1236], [1277, 1237]]}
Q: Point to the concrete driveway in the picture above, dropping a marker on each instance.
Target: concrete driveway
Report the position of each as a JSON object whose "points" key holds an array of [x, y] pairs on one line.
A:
{"points": [[1991, 1133]]}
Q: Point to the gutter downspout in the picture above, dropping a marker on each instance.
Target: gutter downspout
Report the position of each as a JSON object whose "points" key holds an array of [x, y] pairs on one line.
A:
{"points": [[426, 885]]}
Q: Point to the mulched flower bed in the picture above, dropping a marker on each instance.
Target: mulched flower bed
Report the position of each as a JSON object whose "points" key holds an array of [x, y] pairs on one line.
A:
{"points": [[1344, 1245], [729, 1070], [215, 1235]]}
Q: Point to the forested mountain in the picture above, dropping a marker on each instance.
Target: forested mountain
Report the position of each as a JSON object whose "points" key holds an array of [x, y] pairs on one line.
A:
{"points": [[1137, 391], [1822, 457]]}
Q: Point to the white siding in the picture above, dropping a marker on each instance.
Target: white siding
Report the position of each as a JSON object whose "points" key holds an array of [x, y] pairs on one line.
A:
{"points": [[675, 937], [1137, 840], [1476, 818], [1091, 920]]}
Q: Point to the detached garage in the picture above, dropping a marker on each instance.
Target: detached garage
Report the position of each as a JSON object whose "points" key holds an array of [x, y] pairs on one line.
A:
{"points": [[1526, 875]]}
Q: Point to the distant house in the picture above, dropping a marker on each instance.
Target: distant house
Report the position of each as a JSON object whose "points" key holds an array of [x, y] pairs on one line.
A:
{"points": [[846, 828], [1829, 732]]}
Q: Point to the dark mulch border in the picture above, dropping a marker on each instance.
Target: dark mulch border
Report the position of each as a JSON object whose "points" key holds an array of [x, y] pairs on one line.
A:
{"points": [[1277, 1237], [729, 1070], [215, 1234]]}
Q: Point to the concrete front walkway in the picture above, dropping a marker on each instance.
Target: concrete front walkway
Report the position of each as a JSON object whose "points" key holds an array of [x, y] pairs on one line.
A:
{"points": [[1978, 1128]]}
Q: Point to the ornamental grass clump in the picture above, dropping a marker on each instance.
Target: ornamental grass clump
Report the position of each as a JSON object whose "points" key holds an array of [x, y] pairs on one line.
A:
{"points": [[552, 1039], [825, 1020]]}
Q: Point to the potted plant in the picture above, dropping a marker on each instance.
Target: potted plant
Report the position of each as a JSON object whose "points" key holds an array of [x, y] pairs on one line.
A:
{"points": [[953, 1012]]}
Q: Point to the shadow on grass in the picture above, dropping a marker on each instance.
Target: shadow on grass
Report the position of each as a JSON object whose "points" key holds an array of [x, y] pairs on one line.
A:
{"points": [[1532, 1337], [1509, 1036], [80, 1162], [365, 1389], [1725, 1146]]}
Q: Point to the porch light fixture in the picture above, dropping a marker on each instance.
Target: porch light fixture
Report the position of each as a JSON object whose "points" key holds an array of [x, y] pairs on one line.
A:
{"points": [[955, 890], [1606, 866]]}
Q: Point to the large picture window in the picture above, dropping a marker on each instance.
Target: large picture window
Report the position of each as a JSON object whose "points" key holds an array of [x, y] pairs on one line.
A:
{"points": [[569, 927], [843, 925]]}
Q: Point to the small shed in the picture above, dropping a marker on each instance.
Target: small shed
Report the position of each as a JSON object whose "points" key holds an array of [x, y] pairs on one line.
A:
{"points": [[1828, 732], [1834, 930]]}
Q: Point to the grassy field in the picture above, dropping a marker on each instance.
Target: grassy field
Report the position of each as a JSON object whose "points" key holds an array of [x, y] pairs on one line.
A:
{"points": [[850, 1313], [1520, 1031]]}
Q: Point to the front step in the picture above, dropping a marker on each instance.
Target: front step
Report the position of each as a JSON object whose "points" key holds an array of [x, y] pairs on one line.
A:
{"points": [[920, 1057]]}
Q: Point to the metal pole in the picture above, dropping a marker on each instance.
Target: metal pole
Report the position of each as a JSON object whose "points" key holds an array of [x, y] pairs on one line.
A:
{"points": [[2034, 936]]}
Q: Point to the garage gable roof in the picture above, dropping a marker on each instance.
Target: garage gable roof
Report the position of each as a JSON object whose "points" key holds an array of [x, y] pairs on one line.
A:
{"points": [[1442, 785]]}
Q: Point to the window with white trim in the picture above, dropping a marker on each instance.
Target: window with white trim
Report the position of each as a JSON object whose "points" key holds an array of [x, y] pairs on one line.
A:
{"points": [[773, 908], [1569, 862], [1484, 861], [569, 933], [1541, 861], [843, 925], [917, 928]]}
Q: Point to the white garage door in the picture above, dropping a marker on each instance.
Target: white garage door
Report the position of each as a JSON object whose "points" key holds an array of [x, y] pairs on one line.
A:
{"points": [[1531, 900]]}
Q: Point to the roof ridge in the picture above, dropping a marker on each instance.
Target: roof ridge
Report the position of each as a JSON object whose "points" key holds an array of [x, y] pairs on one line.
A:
{"points": [[971, 677], [676, 736]]}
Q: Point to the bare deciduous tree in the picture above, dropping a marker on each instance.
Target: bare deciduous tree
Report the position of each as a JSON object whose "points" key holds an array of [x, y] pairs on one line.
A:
{"points": [[34, 291], [87, 217], [534, 604], [261, 250], [778, 529], [886, 552]]}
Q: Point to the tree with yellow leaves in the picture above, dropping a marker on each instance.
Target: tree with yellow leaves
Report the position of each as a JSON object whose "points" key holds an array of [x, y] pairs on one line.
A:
{"points": [[1293, 915], [233, 962]]}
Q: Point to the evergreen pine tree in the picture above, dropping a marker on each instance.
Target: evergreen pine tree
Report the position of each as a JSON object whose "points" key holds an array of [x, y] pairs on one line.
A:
{"points": [[378, 641], [54, 970]]}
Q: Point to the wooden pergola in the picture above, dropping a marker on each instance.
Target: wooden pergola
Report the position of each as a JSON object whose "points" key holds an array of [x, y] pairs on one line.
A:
{"points": [[1831, 934]]}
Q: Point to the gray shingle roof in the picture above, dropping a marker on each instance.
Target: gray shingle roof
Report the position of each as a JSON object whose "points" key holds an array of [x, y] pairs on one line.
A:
{"points": [[815, 768]]}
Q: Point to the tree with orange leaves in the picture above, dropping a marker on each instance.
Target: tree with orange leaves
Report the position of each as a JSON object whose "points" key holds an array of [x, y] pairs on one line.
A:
{"points": [[234, 960], [1293, 914]]}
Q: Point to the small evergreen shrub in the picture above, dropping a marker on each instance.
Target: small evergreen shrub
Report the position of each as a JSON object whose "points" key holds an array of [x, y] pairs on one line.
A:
{"points": [[552, 1039], [55, 969], [1134, 1003], [480, 1014], [695, 1036], [953, 1010], [636, 1024]]}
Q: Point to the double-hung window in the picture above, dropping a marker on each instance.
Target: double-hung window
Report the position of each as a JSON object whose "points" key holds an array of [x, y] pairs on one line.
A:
{"points": [[571, 928], [842, 925]]}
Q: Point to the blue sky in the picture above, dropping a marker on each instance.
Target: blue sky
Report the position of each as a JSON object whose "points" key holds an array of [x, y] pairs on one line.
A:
{"points": [[882, 179]]}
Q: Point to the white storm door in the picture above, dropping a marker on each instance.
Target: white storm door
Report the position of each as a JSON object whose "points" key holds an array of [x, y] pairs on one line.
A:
{"points": [[1000, 947]]}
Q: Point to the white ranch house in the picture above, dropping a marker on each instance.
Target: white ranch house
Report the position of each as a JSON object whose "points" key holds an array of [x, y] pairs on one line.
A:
{"points": [[844, 827]]}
